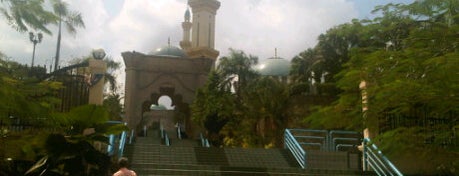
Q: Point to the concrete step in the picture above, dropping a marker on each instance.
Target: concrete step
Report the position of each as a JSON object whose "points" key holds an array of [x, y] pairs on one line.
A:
{"points": [[177, 169], [185, 157], [333, 160]]}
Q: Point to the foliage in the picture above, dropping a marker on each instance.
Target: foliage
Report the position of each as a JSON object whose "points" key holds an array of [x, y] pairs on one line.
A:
{"points": [[112, 104], [409, 144], [213, 106], [23, 15], [22, 94], [236, 70], [266, 101], [71, 19], [237, 107], [407, 57], [62, 140], [73, 152]]}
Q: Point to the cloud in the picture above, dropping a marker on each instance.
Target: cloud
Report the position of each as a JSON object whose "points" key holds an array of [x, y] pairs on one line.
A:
{"points": [[291, 26]]}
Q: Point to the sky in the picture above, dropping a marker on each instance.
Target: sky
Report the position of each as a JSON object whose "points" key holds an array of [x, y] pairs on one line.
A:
{"points": [[255, 26]]}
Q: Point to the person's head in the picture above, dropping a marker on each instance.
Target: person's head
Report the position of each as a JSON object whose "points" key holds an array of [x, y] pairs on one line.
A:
{"points": [[123, 162]]}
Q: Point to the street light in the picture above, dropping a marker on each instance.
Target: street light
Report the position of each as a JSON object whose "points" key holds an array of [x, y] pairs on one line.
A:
{"points": [[35, 39]]}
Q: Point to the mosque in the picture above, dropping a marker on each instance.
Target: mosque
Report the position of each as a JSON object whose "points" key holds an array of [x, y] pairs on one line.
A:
{"points": [[177, 72]]}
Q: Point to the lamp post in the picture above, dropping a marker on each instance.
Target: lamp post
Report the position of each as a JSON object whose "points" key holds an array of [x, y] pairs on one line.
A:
{"points": [[35, 39]]}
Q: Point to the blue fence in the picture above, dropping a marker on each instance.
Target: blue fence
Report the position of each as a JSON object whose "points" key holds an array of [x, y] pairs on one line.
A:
{"points": [[334, 140], [295, 148], [374, 160], [117, 142], [299, 141]]}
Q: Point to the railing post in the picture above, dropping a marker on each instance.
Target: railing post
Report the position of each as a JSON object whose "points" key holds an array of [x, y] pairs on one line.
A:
{"points": [[122, 143], [364, 155], [179, 132], [162, 131], [167, 139], [131, 137]]}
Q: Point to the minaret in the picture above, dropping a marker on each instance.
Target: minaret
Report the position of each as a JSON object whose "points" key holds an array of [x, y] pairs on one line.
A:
{"points": [[186, 25], [203, 33]]}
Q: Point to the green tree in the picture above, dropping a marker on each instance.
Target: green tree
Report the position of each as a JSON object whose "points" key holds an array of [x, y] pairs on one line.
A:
{"points": [[218, 105], [236, 69], [22, 94], [409, 70], [305, 67], [26, 15], [213, 107], [112, 102], [237, 107], [71, 19], [266, 101]]}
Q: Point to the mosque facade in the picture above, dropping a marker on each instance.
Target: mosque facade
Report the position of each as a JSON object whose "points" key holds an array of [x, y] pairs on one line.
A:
{"points": [[178, 72]]}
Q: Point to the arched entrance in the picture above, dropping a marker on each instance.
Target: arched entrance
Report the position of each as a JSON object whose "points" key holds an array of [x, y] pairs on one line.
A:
{"points": [[155, 114], [150, 77]]}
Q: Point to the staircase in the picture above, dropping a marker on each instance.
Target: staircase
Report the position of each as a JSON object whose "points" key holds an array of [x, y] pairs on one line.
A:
{"points": [[185, 157]]}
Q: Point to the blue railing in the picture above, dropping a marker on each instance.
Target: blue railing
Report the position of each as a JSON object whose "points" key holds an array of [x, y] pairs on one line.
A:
{"points": [[131, 136], [204, 141], [164, 136], [116, 141], [300, 140], [340, 139], [295, 148], [374, 160], [122, 143]]}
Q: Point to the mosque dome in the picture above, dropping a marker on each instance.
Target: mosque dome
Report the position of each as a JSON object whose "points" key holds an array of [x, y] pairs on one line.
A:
{"points": [[171, 51], [274, 66]]}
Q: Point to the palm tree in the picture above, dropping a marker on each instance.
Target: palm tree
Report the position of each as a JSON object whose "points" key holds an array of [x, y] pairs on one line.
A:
{"points": [[23, 15], [237, 66], [72, 19]]}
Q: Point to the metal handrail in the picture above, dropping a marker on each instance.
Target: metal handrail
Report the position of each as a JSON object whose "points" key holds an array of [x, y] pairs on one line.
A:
{"points": [[332, 140], [122, 143], [131, 136], [312, 134], [166, 139], [114, 140], [111, 144], [164, 136], [295, 148], [204, 141], [376, 161], [179, 132]]}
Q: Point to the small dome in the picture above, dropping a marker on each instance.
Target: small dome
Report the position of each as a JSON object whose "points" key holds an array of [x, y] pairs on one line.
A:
{"points": [[274, 66], [159, 107], [169, 51]]}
